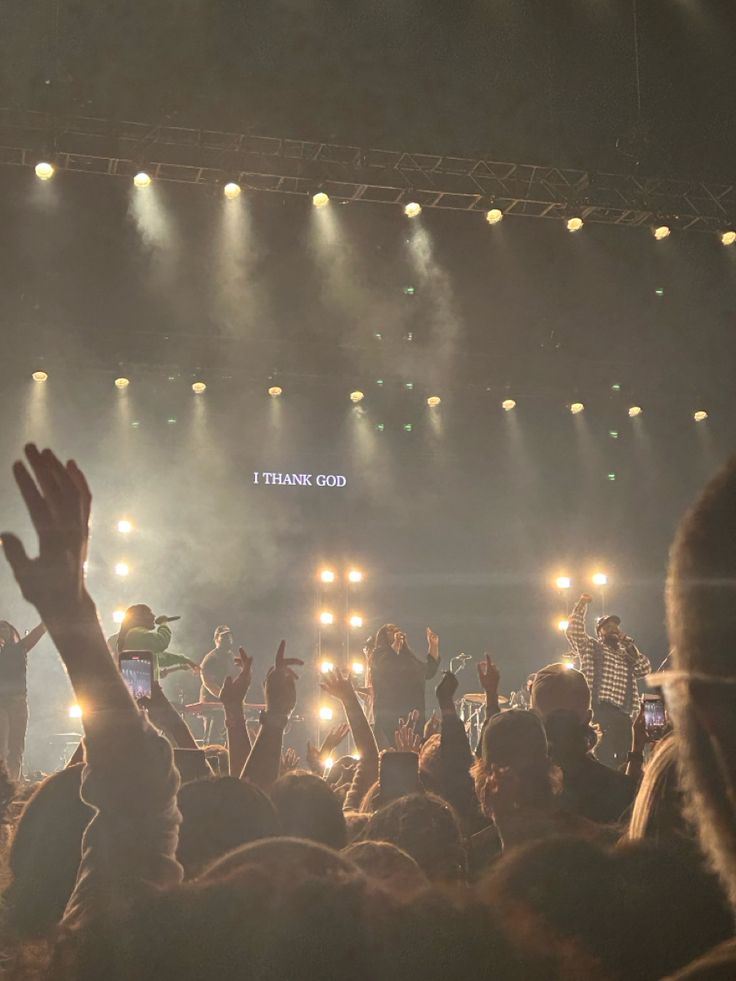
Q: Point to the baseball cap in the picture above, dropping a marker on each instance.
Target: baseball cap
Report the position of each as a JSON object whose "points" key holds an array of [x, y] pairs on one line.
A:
{"points": [[515, 738], [557, 686]]}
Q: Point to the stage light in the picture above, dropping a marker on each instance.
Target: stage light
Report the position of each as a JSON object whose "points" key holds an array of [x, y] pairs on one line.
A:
{"points": [[567, 663], [611, 476], [358, 667], [118, 616], [562, 625], [613, 433], [508, 404], [576, 408], [355, 575], [231, 190], [325, 713], [700, 416], [600, 579], [357, 396], [124, 526], [326, 618], [329, 763], [40, 376], [494, 216], [327, 575], [122, 569], [122, 383], [199, 387], [356, 621], [44, 170], [662, 231], [380, 427], [320, 199], [407, 427], [412, 209], [355, 756], [75, 711], [563, 582], [574, 224], [634, 411], [433, 400], [326, 666], [615, 387], [274, 391], [142, 179], [728, 238]]}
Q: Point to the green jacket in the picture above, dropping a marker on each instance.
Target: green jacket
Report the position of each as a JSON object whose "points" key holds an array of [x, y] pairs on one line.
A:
{"points": [[156, 641]]}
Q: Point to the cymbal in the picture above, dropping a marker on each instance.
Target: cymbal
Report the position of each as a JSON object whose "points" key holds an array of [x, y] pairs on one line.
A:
{"points": [[479, 698]]}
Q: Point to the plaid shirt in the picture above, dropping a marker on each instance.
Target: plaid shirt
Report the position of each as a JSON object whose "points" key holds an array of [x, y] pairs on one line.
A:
{"points": [[611, 672]]}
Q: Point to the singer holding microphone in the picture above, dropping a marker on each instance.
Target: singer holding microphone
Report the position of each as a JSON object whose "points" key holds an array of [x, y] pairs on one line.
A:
{"points": [[399, 679], [141, 630], [612, 665]]}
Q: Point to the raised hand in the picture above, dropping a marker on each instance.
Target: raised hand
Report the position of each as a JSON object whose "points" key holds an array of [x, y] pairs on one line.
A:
{"points": [[234, 690], [489, 676], [337, 684], [586, 598], [280, 684], [431, 726], [406, 738], [445, 691], [289, 760], [333, 739], [58, 502], [433, 641]]}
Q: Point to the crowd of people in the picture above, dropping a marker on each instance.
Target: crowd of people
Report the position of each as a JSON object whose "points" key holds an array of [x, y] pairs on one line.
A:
{"points": [[575, 842]]}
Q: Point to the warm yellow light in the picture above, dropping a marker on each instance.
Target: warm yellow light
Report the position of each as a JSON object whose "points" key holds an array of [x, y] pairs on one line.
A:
{"points": [[562, 625], [728, 238], [355, 575], [700, 415], [122, 569], [635, 410], [320, 199], [412, 209], [508, 404], [326, 666], [142, 179], [274, 391], [327, 575], [433, 401], [600, 579], [662, 231], [325, 713], [39, 376], [356, 621], [75, 711], [574, 224], [357, 396], [122, 383], [358, 667], [199, 387], [568, 665], [231, 190], [124, 526], [326, 618], [329, 763], [576, 408], [118, 616], [44, 170], [563, 582], [494, 216]]}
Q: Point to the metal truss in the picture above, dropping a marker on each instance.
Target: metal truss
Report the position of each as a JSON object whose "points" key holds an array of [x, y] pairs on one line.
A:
{"points": [[350, 173]]}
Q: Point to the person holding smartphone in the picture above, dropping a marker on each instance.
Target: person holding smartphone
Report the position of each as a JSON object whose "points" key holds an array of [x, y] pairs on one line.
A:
{"points": [[398, 679], [141, 630], [13, 693]]}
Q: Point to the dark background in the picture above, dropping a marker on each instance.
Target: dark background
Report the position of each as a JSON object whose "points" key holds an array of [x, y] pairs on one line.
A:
{"points": [[464, 521]]}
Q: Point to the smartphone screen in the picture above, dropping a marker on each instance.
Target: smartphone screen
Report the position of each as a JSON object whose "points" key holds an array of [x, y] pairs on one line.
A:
{"points": [[655, 718], [398, 775], [136, 668]]}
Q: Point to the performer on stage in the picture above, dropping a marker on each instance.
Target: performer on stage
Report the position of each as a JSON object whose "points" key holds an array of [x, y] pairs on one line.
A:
{"points": [[398, 679], [216, 666], [13, 693], [142, 631], [611, 663]]}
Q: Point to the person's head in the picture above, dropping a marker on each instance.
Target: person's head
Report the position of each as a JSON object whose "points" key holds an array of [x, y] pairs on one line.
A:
{"points": [[138, 615], [389, 866], [608, 628], [701, 700], [307, 808], [559, 686], [45, 854], [428, 829], [430, 762], [219, 814], [223, 638], [658, 806], [515, 768], [8, 634], [387, 635]]}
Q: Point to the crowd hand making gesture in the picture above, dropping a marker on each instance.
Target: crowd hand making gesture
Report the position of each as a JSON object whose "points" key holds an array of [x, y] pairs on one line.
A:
{"points": [[234, 690], [317, 758], [433, 643], [280, 685], [489, 677], [445, 692], [406, 738]]}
